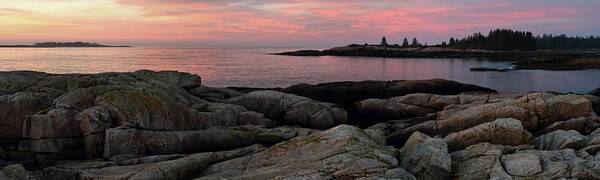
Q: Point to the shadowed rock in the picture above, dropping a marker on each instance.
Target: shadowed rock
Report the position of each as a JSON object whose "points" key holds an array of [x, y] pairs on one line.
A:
{"points": [[595, 92], [15, 108], [595, 102], [179, 168], [214, 94], [124, 140], [16, 172], [346, 93]]}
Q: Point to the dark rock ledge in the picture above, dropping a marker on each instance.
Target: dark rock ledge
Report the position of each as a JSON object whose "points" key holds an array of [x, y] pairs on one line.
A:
{"points": [[167, 125]]}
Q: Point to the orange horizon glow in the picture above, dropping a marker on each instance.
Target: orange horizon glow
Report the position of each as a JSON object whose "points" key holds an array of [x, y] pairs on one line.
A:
{"points": [[283, 22]]}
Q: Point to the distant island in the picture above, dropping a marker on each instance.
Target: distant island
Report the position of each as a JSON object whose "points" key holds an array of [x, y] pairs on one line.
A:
{"points": [[550, 52], [59, 45]]}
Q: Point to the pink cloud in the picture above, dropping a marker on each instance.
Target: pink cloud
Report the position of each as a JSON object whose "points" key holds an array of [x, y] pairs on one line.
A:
{"points": [[336, 21]]}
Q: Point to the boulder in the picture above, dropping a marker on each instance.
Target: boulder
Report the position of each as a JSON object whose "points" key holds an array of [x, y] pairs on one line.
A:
{"points": [[482, 161], [454, 120], [16, 172], [283, 133], [535, 111], [93, 122], [17, 81], [379, 132], [589, 144], [152, 111], [148, 111], [557, 140], [386, 109], [78, 99], [123, 140], [584, 125], [439, 102], [292, 109], [210, 93], [344, 152], [347, 93], [149, 159], [399, 137], [426, 157], [221, 114], [554, 165], [522, 164], [181, 79], [501, 131], [550, 108]]}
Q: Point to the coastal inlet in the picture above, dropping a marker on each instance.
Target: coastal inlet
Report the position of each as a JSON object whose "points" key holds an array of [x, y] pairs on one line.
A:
{"points": [[254, 67]]}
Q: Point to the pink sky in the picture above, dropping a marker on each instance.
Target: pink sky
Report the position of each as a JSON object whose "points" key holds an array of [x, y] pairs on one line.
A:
{"points": [[282, 23]]}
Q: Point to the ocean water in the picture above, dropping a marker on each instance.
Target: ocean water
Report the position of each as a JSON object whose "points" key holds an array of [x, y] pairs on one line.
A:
{"points": [[256, 68]]}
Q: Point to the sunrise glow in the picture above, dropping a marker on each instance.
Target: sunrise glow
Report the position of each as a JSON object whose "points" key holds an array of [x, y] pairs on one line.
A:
{"points": [[277, 23]]}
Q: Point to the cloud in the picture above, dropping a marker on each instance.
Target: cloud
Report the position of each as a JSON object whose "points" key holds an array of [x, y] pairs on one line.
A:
{"points": [[310, 22]]}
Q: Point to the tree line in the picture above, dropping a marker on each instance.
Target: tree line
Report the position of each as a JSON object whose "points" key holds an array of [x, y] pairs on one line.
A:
{"points": [[67, 44], [549, 41], [508, 39]]}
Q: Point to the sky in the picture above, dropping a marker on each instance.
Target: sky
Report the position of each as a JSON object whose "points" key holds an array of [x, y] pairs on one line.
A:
{"points": [[283, 23]]}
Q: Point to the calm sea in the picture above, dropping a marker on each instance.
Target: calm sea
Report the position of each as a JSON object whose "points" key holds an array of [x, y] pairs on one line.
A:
{"points": [[255, 68]]}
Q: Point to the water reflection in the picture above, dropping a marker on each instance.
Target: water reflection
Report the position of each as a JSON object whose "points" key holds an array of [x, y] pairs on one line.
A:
{"points": [[253, 67]]}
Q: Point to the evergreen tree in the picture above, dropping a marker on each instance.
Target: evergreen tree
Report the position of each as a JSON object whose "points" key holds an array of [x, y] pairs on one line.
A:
{"points": [[405, 43], [415, 43], [384, 41]]}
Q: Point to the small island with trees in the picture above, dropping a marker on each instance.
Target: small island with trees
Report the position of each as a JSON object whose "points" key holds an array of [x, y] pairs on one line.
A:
{"points": [[60, 45], [547, 51]]}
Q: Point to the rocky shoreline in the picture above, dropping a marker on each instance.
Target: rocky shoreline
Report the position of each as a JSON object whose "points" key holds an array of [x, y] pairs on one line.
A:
{"points": [[540, 59], [167, 125]]}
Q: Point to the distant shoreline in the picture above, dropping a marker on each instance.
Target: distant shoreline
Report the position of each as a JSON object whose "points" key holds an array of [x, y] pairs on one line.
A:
{"points": [[538, 59], [61, 45], [31, 46]]}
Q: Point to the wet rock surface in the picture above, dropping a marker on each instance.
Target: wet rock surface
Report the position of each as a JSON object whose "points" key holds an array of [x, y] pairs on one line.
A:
{"points": [[167, 125]]}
